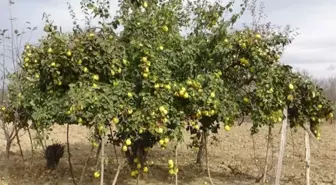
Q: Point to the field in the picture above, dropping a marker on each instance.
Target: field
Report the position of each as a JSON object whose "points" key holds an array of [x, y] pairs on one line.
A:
{"points": [[233, 161]]}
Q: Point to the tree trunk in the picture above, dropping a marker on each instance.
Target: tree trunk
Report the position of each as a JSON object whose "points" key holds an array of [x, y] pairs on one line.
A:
{"points": [[269, 139], [8, 147], [200, 151]]}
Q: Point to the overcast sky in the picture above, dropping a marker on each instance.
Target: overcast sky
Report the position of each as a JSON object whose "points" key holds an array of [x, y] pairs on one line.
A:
{"points": [[314, 49]]}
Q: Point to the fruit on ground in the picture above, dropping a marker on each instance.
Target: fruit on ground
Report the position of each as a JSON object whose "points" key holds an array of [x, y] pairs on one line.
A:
{"points": [[96, 174]]}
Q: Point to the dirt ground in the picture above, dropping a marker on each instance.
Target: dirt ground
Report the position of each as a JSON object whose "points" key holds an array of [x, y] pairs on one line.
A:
{"points": [[233, 161]]}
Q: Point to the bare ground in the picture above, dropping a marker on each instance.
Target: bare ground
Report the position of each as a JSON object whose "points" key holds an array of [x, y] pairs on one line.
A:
{"points": [[233, 160]]}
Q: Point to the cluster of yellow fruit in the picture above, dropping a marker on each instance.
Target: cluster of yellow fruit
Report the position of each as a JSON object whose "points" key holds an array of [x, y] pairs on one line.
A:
{"points": [[138, 166], [117, 70], [164, 142], [145, 66], [290, 97], [164, 118], [276, 116], [244, 61], [182, 93], [159, 85], [173, 170], [194, 124], [127, 143]]}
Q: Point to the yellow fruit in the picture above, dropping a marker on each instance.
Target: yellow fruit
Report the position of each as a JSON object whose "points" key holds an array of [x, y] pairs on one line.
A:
{"points": [[91, 35], [94, 85], [129, 111], [186, 95], [156, 86], [144, 59], [53, 64], [170, 162], [161, 47], [291, 86], [96, 174], [139, 166], [167, 87], [50, 50], [290, 97], [258, 36], [124, 148], [94, 144], [145, 75], [136, 160], [133, 173], [166, 140], [129, 94], [95, 77], [145, 169], [227, 127], [171, 172], [69, 53], [319, 106], [85, 69], [37, 76], [115, 120], [162, 109], [246, 100], [212, 95], [331, 115], [3, 108], [165, 28], [165, 120], [128, 142], [197, 127], [161, 142], [145, 4], [159, 130], [244, 61]]}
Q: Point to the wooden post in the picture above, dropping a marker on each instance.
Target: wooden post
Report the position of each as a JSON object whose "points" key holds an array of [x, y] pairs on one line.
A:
{"points": [[307, 146], [282, 148], [102, 163]]}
